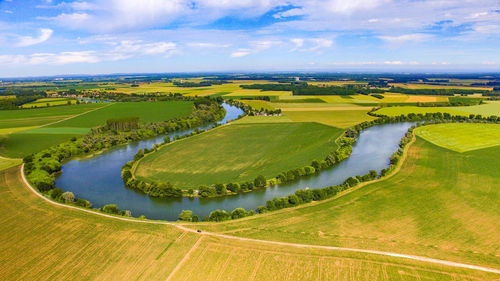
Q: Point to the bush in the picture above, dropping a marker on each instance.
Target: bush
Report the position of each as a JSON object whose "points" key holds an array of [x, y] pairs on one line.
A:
{"points": [[83, 203], [185, 215], [260, 181], [238, 213], [219, 215], [68, 197], [110, 209], [55, 193]]}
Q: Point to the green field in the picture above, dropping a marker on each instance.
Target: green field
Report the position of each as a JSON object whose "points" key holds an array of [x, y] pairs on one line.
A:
{"points": [[146, 111], [337, 118], [461, 137], [21, 140], [487, 109], [50, 101], [59, 244], [237, 153], [41, 116], [441, 204]]}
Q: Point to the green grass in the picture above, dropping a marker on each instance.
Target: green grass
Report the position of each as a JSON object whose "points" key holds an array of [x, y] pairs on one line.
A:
{"points": [[237, 153], [441, 204], [461, 137], [146, 111], [487, 109], [23, 143]]}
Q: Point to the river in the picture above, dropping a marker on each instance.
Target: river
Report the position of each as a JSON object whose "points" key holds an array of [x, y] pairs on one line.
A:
{"points": [[98, 178]]}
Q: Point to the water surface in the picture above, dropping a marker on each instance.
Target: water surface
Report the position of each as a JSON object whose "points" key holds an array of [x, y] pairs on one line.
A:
{"points": [[98, 178]]}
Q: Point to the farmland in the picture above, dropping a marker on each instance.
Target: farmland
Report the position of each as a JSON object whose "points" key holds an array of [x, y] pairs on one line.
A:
{"points": [[23, 135], [74, 241], [487, 109], [440, 203], [238, 153], [435, 205]]}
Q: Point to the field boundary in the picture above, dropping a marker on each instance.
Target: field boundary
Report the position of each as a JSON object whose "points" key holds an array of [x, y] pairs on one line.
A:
{"points": [[382, 253]]}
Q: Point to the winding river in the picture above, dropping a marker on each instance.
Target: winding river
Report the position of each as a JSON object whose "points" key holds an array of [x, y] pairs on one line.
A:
{"points": [[98, 178]]}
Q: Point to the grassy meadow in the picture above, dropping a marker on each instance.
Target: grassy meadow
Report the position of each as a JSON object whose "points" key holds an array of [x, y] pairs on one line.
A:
{"points": [[48, 101], [441, 204], [461, 137], [338, 117], [487, 109], [239, 152]]}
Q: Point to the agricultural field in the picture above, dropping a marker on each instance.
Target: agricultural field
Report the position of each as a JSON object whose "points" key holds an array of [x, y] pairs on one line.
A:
{"points": [[341, 117], [48, 102], [461, 137], [146, 111], [23, 136], [75, 242], [487, 109], [239, 152], [427, 86], [435, 205]]}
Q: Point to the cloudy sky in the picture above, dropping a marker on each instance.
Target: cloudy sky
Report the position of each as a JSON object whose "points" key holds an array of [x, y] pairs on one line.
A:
{"points": [[50, 37]]}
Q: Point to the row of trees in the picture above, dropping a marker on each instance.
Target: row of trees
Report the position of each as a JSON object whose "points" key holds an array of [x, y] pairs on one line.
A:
{"points": [[308, 195]]}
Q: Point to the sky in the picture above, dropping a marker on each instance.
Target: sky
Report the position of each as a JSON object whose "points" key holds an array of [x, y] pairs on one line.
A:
{"points": [[50, 37]]}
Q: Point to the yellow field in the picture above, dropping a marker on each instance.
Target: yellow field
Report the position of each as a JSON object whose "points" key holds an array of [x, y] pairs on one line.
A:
{"points": [[336, 118], [50, 101], [64, 244], [257, 104], [262, 119], [425, 86], [256, 92], [414, 98]]}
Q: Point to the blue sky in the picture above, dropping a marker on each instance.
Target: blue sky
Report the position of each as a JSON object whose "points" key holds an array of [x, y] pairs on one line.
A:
{"points": [[43, 37]]}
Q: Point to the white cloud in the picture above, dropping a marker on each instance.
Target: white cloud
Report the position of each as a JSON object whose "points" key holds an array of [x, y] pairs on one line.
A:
{"points": [[24, 41], [240, 53], [417, 37], [289, 13], [310, 44], [207, 45], [122, 50], [393, 62]]}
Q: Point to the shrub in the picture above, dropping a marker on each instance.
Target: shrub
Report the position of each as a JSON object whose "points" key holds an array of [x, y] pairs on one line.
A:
{"points": [[83, 203], [185, 215], [110, 209], [68, 197]]}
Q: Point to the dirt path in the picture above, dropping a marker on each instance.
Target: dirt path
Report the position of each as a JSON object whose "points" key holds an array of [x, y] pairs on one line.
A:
{"points": [[390, 254]]}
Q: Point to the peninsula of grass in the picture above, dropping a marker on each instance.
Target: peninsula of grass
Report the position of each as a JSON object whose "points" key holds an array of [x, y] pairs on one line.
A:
{"points": [[461, 137], [238, 153]]}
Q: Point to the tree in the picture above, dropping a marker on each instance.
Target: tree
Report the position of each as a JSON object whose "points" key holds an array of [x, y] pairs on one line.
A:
{"points": [[238, 213], [83, 203], [195, 218], [220, 189], [260, 181], [55, 193], [219, 215], [111, 209], [68, 197], [185, 215]]}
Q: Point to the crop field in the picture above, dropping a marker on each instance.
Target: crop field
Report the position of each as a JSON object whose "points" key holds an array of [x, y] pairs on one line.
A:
{"points": [[238, 153], [487, 109], [256, 93], [461, 137], [59, 244], [427, 86], [146, 111], [258, 104], [22, 140], [50, 101], [337, 118], [262, 119], [435, 206]]}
